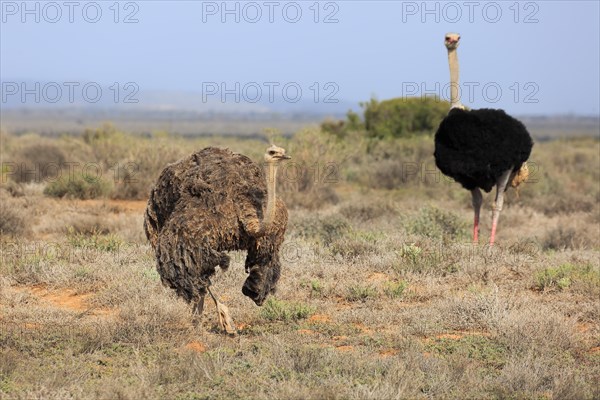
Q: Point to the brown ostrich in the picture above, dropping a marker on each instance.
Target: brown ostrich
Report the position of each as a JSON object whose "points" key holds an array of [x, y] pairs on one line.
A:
{"points": [[211, 202]]}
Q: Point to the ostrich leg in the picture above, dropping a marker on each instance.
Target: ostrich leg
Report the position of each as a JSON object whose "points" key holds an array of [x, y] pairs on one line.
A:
{"points": [[198, 308], [500, 188], [225, 319], [477, 200]]}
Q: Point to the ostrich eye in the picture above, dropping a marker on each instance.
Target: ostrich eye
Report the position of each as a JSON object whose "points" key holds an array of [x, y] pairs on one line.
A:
{"points": [[447, 37], [271, 153]]}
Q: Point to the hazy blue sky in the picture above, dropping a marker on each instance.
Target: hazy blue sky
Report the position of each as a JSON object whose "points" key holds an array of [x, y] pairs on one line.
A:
{"points": [[542, 56]]}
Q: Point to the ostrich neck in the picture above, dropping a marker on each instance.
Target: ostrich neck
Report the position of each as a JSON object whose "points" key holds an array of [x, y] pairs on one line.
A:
{"points": [[271, 196], [453, 62]]}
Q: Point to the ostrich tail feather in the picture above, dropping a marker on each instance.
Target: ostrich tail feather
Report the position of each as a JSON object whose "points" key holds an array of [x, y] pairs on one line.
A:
{"points": [[520, 177]]}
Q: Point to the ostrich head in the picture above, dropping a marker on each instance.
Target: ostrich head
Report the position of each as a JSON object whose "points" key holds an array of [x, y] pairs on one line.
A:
{"points": [[451, 40], [262, 279], [275, 154]]}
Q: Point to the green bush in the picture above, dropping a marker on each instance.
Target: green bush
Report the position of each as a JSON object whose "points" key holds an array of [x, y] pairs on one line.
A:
{"points": [[394, 118], [403, 117], [78, 187], [341, 128]]}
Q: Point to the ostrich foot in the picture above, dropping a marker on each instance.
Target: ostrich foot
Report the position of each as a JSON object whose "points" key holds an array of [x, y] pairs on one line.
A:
{"points": [[225, 320]]}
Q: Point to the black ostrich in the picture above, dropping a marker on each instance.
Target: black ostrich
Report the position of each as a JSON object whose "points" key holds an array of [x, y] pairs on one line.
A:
{"points": [[480, 149]]}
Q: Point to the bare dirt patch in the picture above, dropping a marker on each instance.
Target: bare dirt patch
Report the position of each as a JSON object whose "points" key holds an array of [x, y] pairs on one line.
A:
{"points": [[128, 205], [457, 335], [363, 328], [66, 299], [377, 277], [115, 206], [195, 347], [320, 318], [388, 353]]}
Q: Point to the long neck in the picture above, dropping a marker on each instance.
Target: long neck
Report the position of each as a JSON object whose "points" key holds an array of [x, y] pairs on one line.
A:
{"points": [[271, 196], [453, 62]]}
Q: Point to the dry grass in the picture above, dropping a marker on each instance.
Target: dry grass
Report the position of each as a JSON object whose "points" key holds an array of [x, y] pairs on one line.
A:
{"points": [[381, 295], [13, 217]]}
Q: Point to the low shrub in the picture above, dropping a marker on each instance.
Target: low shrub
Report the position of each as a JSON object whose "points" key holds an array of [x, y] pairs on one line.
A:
{"points": [[36, 163], [81, 187], [403, 117], [13, 218], [435, 223], [395, 290], [361, 293], [325, 230]]}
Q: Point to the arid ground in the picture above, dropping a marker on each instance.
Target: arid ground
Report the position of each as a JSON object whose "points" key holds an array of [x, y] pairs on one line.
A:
{"points": [[382, 295]]}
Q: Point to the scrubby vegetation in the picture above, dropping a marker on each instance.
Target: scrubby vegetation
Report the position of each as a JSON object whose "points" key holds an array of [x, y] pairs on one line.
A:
{"points": [[394, 118], [404, 117], [13, 218], [381, 293], [78, 187]]}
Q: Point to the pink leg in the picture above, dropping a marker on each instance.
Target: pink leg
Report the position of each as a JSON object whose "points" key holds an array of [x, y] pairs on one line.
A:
{"points": [[477, 199], [500, 188]]}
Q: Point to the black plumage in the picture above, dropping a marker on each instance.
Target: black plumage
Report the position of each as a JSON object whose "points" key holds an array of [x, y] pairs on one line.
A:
{"points": [[480, 149], [475, 147]]}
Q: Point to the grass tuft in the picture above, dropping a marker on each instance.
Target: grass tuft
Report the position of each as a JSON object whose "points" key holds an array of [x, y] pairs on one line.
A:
{"points": [[563, 276], [94, 241], [280, 310], [361, 293], [395, 290]]}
